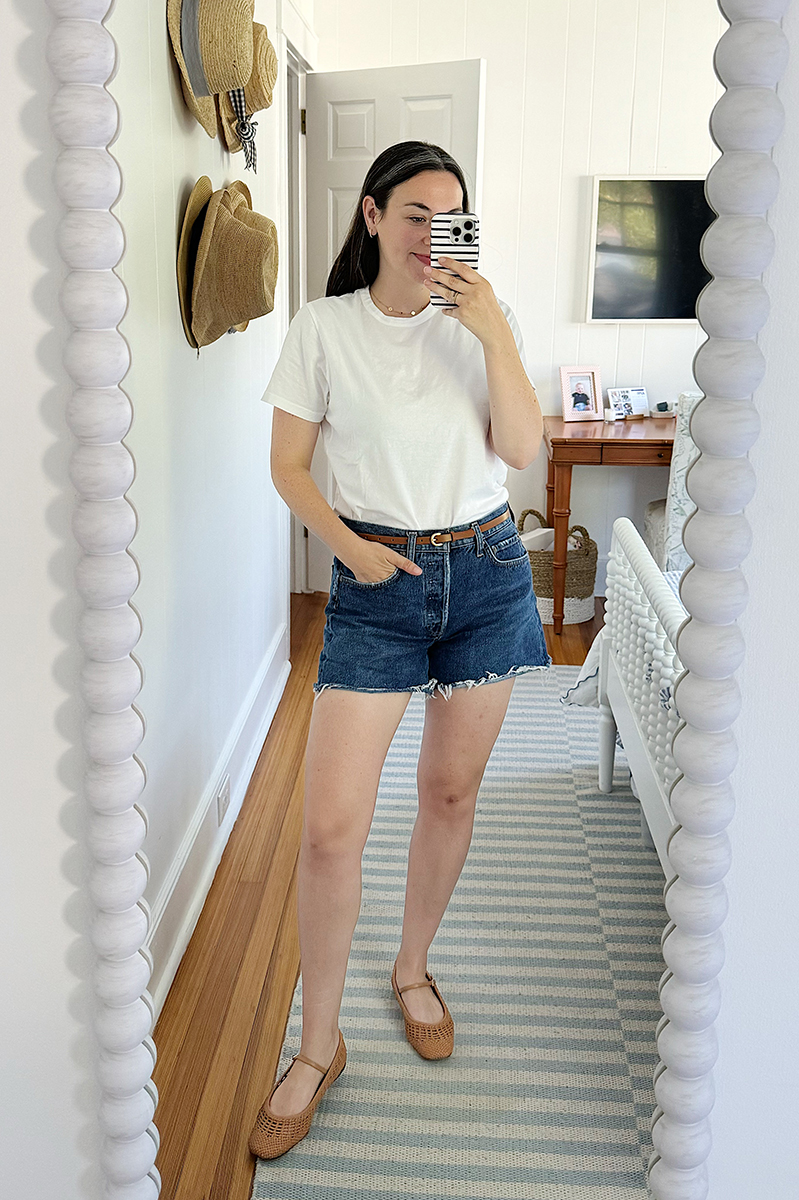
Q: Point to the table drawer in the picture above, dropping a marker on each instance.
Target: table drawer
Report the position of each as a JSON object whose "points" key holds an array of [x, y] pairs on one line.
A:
{"points": [[630, 454], [577, 452]]}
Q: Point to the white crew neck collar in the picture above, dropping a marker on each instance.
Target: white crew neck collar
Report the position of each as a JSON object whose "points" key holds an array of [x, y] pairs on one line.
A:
{"points": [[369, 304]]}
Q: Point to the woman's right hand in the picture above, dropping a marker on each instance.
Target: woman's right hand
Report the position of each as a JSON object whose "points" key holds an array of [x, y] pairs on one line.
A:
{"points": [[376, 561]]}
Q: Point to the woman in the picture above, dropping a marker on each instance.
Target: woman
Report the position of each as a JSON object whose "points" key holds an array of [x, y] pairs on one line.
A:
{"points": [[421, 409]]}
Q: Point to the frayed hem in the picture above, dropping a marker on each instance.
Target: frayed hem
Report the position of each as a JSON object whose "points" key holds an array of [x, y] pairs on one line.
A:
{"points": [[342, 687], [445, 689]]}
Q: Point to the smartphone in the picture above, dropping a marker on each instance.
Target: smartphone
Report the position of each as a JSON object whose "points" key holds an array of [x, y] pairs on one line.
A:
{"points": [[456, 235]]}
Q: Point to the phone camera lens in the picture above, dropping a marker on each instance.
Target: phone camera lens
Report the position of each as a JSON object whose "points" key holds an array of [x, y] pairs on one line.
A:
{"points": [[468, 237], [456, 231], [467, 224]]}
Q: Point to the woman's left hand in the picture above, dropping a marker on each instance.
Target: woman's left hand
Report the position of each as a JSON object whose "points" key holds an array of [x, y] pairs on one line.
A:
{"points": [[475, 306]]}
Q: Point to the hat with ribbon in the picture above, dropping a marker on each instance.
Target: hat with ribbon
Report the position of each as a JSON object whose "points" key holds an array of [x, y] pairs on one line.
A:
{"points": [[213, 44], [236, 109], [227, 262]]}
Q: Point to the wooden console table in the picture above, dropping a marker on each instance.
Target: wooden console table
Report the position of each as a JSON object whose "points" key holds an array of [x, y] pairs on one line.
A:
{"points": [[646, 442]]}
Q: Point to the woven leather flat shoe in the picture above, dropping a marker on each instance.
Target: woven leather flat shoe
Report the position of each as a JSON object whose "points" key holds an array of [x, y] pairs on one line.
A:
{"points": [[273, 1135], [430, 1040]]}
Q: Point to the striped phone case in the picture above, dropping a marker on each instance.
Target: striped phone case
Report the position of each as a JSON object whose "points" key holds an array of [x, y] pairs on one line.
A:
{"points": [[458, 236]]}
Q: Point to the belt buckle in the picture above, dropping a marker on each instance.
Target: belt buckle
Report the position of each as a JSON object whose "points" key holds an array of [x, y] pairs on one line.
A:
{"points": [[433, 536]]}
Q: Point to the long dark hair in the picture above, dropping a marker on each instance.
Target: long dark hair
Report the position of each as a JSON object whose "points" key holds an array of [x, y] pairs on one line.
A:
{"points": [[359, 258]]}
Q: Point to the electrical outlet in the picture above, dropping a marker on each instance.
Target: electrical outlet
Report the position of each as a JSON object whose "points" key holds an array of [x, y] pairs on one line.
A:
{"points": [[223, 798]]}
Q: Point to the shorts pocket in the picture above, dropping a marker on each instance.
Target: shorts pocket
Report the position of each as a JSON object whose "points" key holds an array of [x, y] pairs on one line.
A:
{"points": [[509, 552], [344, 573]]}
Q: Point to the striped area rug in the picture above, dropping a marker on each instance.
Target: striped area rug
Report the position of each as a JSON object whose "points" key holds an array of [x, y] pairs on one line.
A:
{"points": [[548, 956]]}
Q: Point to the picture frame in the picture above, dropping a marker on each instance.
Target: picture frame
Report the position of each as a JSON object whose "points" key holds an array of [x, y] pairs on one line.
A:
{"points": [[687, 1041], [594, 241], [577, 383], [628, 403]]}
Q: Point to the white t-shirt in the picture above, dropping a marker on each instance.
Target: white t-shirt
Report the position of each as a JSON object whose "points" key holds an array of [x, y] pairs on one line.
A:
{"points": [[404, 410]]}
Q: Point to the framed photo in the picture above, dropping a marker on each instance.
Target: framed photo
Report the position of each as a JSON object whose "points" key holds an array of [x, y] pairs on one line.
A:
{"points": [[644, 227], [581, 393], [628, 402]]}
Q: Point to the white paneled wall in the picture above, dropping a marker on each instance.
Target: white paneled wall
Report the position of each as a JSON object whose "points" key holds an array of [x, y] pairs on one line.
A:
{"points": [[574, 88], [212, 539]]}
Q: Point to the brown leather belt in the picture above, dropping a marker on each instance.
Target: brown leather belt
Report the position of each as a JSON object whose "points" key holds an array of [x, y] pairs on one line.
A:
{"points": [[437, 539]]}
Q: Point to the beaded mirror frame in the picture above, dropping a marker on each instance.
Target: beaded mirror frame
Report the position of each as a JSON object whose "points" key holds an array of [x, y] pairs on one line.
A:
{"points": [[742, 185]]}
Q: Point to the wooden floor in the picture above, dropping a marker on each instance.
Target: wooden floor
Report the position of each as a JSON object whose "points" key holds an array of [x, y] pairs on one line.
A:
{"points": [[221, 1030]]}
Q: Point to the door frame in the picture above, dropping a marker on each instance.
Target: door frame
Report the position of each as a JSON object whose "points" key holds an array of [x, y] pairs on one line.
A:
{"points": [[296, 71]]}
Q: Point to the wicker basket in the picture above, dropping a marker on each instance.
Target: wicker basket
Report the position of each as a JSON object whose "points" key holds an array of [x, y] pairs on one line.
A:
{"points": [[578, 603]]}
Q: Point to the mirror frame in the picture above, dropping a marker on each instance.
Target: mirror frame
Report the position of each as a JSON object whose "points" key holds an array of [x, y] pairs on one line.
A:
{"points": [[742, 184], [85, 120], [750, 59]]}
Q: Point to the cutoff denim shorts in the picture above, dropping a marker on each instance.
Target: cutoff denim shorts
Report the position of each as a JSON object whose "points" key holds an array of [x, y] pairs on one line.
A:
{"points": [[469, 618]]}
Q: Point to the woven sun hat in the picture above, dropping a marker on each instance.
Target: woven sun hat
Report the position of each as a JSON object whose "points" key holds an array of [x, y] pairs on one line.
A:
{"points": [[235, 270], [188, 243], [213, 44], [257, 92], [190, 231]]}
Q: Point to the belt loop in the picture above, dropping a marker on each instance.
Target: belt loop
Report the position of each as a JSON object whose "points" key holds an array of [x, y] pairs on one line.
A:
{"points": [[512, 513], [479, 540], [410, 548]]}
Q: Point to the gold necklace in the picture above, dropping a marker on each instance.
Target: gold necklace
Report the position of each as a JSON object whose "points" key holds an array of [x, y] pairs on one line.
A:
{"points": [[412, 313]]}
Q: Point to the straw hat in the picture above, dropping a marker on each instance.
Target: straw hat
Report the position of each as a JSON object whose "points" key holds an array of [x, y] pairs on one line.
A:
{"points": [[213, 44], [190, 232], [257, 91], [231, 275]]}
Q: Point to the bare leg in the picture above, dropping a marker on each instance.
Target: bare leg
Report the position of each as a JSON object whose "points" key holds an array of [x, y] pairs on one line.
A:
{"points": [[348, 740], [459, 735]]}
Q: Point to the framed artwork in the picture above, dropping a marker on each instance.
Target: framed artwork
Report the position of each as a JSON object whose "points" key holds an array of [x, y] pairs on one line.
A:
{"points": [[628, 402], [581, 393]]}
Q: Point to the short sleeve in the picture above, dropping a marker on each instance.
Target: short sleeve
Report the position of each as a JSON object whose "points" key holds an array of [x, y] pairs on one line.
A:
{"points": [[517, 334], [299, 383]]}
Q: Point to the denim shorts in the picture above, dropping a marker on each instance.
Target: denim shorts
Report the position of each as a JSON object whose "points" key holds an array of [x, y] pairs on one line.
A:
{"points": [[469, 618]]}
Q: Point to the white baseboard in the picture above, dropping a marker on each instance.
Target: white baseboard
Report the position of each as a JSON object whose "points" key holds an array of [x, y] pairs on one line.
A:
{"points": [[178, 905]]}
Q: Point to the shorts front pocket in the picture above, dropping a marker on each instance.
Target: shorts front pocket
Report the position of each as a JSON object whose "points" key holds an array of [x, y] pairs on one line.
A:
{"points": [[509, 552], [346, 574]]}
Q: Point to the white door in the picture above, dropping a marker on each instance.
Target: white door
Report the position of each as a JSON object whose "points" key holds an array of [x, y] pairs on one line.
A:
{"points": [[351, 117]]}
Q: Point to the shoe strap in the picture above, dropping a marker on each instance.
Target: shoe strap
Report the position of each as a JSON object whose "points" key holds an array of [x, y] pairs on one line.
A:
{"points": [[310, 1062], [408, 986]]}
